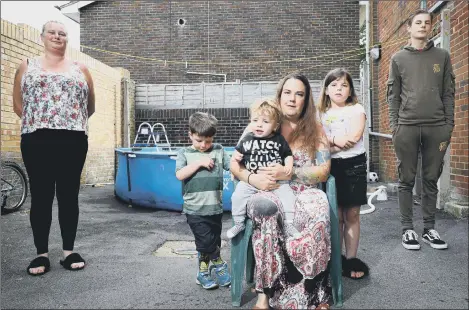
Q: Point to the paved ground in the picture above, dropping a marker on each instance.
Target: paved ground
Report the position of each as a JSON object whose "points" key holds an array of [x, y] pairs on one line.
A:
{"points": [[118, 242]]}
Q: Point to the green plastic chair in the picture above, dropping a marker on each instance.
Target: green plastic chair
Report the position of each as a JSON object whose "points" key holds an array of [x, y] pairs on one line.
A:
{"points": [[242, 256]]}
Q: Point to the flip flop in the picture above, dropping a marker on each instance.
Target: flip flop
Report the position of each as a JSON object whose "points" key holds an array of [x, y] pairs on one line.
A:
{"points": [[40, 261], [356, 265], [72, 259]]}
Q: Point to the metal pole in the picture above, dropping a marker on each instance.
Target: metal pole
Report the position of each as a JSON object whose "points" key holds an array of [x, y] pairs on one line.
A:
{"points": [[380, 134], [444, 182], [368, 79], [367, 55]]}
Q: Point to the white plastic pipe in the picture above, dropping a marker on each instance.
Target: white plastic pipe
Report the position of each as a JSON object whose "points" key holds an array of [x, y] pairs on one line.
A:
{"points": [[381, 195]]}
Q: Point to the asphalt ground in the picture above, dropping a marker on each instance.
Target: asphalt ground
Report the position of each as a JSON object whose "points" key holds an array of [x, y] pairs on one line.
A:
{"points": [[118, 243]]}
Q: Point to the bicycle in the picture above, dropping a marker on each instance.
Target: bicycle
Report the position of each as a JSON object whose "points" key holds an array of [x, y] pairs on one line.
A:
{"points": [[14, 187]]}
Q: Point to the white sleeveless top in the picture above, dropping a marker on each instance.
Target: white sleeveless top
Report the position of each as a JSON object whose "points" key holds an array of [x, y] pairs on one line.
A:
{"points": [[337, 122]]}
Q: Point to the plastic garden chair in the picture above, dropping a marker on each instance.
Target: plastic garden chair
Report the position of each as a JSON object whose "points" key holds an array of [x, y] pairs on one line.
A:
{"points": [[242, 256]]}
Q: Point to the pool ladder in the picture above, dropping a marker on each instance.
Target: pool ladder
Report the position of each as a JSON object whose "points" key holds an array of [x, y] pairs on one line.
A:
{"points": [[147, 129]]}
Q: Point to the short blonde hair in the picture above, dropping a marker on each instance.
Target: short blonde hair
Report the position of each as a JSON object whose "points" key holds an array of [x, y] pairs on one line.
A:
{"points": [[55, 22], [266, 106]]}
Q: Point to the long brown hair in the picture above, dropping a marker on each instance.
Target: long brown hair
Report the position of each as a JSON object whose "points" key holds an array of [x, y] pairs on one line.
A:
{"points": [[324, 101], [308, 130]]}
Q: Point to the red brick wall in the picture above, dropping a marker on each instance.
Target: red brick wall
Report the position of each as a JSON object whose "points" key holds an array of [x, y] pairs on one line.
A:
{"points": [[391, 32], [459, 57]]}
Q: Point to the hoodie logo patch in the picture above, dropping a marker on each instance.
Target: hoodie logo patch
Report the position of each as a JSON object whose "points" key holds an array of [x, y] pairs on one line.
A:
{"points": [[443, 146], [436, 68]]}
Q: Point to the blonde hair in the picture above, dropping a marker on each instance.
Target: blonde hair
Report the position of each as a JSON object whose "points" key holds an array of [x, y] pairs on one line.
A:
{"points": [[268, 107], [55, 22], [324, 100]]}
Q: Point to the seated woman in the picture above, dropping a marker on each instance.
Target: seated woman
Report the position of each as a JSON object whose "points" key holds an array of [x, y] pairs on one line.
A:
{"points": [[293, 272]]}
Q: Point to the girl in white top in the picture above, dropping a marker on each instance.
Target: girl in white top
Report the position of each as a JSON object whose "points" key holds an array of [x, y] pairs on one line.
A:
{"points": [[343, 119]]}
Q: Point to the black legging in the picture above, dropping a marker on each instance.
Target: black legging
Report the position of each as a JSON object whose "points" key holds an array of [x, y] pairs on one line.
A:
{"points": [[54, 161]]}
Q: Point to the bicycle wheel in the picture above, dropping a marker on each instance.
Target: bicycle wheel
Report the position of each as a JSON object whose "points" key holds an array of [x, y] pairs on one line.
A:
{"points": [[14, 187]]}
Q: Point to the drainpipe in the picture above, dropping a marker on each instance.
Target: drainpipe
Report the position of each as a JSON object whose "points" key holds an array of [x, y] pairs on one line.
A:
{"points": [[367, 55], [371, 133], [368, 76]]}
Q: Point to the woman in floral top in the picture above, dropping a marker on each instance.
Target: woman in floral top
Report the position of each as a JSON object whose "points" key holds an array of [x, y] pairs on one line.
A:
{"points": [[292, 272], [54, 98]]}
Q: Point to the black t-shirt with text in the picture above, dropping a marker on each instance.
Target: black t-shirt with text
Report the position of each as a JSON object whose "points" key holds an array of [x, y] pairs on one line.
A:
{"points": [[263, 152]]}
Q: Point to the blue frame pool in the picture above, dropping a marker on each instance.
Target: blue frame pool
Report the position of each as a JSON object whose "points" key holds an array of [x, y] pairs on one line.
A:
{"points": [[146, 177]]}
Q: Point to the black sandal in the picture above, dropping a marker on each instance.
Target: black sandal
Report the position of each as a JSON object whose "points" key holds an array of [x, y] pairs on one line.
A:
{"points": [[344, 261], [354, 265], [40, 261], [72, 259]]}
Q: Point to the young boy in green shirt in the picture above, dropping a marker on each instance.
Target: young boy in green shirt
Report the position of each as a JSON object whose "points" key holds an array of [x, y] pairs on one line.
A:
{"points": [[200, 167]]}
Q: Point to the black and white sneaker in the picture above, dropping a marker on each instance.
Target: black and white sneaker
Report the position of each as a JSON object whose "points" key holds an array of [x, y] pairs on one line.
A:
{"points": [[432, 237], [409, 240]]}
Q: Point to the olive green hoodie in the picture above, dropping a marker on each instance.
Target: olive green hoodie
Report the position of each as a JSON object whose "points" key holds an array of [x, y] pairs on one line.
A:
{"points": [[420, 89]]}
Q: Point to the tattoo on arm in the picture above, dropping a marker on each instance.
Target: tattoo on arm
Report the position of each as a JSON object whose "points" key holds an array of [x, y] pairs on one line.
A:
{"points": [[322, 156], [316, 173]]}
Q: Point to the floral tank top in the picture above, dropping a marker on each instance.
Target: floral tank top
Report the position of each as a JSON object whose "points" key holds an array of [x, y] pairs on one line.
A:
{"points": [[54, 100]]}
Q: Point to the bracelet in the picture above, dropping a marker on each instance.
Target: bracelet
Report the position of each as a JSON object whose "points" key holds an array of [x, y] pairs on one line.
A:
{"points": [[249, 177], [333, 143]]}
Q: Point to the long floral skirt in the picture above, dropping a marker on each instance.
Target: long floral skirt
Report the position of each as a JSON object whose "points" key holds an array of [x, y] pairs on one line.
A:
{"points": [[293, 272]]}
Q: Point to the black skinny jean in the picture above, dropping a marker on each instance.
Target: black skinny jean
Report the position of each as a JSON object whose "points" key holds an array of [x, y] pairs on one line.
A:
{"points": [[54, 161]]}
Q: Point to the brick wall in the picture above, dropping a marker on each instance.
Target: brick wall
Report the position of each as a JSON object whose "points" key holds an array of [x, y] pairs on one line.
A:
{"points": [[231, 123], [105, 126], [392, 34], [390, 30], [228, 32], [459, 142]]}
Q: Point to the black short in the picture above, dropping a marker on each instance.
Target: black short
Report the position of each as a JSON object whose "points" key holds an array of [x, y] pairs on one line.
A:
{"points": [[206, 230], [350, 180]]}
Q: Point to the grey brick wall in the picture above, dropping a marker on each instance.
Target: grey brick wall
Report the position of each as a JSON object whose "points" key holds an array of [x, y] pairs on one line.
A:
{"points": [[231, 123], [228, 32]]}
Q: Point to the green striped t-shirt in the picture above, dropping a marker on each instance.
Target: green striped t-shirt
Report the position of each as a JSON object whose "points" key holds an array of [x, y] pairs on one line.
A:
{"points": [[202, 192]]}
